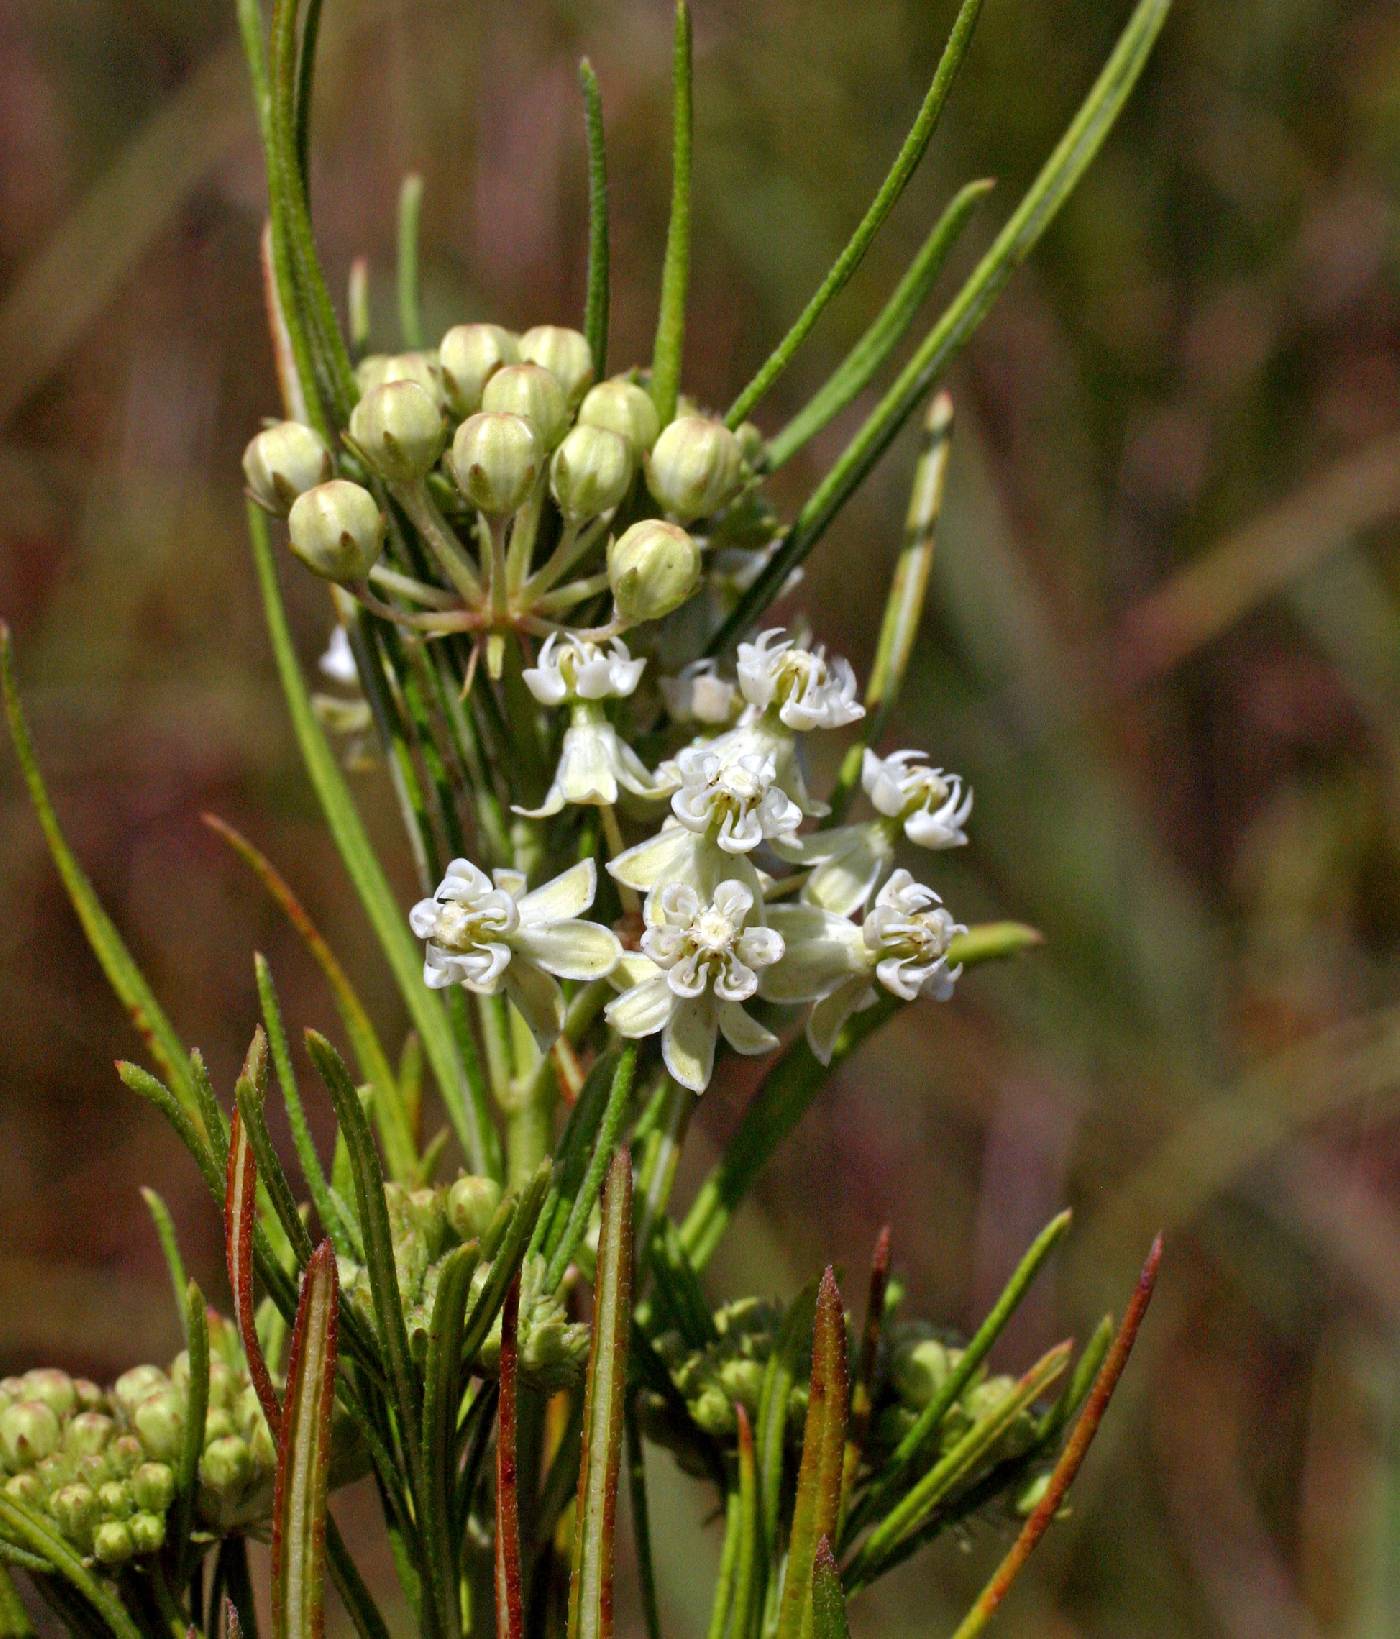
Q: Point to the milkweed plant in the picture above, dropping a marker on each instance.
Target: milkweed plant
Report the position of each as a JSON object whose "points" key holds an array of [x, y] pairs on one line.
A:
{"points": [[552, 582]]}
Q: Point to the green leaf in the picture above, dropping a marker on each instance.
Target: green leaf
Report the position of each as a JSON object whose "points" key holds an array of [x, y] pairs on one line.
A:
{"points": [[749, 1561], [465, 1103], [1057, 179], [828, 1601], [595, 311], [240, 1218], [591, 1585], [779, 1376], [409, 291], [817, 1509], [905, 164], [192, 1443], [250, 1095], [442, 1395], [303, 1457], [679, 1296], [169, 1245], [510, 1601], [14, 1619], [125, 978], [506, 1256], [584, 1151], [31, 1531], [675, 271]]}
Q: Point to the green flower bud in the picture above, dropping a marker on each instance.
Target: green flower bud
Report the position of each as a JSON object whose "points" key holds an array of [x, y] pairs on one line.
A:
{"points": [[742, 1381], [29, 1432], [337, 530], [919, 1368], [471, 1205], [25, 1488], [88, 1433], [226, 1466], [125, 1455], [11, 1388], [468, 356], [590, 473], [695, 467], [112, 1544], [399, 429], [147, 1532], [564, 353], [55, 1388], [75, 1511], [153, 1487], [713, 1411], [159, 1422], [219, 1422], [381, 368], [114, 1499], [91, 1470], [652, 569], [132, 1387], [622, 407], [531, 391], [284, 461], [495, 460]]}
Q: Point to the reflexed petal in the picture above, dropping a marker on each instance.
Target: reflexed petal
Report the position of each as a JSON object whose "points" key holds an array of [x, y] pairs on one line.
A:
{"points": [[571, 949], [634, 775], [900, 977], [423, 917], [659, 858], [688, 1043], [643, 1010], [759, 947], [829, 1016], [553, 802], [743, 1032], [567, 895], [819, 950], [845, 881], [539, 1001]]}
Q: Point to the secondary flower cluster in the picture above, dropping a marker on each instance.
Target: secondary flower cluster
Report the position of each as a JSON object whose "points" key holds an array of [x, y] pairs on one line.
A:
{"points": [[721, 925]]}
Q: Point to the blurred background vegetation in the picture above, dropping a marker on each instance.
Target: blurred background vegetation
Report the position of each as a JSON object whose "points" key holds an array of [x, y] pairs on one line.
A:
{"points": [[1164, 646]]}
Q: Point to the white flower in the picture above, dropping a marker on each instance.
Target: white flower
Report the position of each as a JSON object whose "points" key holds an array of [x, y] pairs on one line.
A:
{"points": [[730, 792], [700, 962], [571, 668], [847, 864], [489, 934], [930, 804], [698, 694], [338, 662], [594, 764], [803, 687], [902, 945]]}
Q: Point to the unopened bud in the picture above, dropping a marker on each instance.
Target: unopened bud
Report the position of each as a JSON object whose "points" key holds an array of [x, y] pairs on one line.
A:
{"points": [[54, 1388], [468, 357], [125, 1454], [284, 461], [90, 1397], [532, 391], [112, 1544], [29, 1432], [147, 1532], [76, 1511], [495, 460], [622, 407], [652, 569], [380, 368], [159, 1422], [564, 353], [695, 467], [226, 1466], [918, 1370], [132, 1387], [219, 1421], [114, 1499], [471, 1205], [25, 1488], [337, 530], [399, 428], [153, 1487], [88, 1433], [590, 473]]}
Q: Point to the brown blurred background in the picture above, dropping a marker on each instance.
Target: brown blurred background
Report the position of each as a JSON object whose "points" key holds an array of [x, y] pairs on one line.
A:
{"points": [[1164, 645]]}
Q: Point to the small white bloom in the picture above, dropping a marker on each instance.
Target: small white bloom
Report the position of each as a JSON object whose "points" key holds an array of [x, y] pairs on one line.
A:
{"points": [[595, 766], [930, 805], [731, 794], [802, 686], [698, 694], [907, 933], [338, 662], [489, 934], [700, 962], [572, 668], [847, 864]]}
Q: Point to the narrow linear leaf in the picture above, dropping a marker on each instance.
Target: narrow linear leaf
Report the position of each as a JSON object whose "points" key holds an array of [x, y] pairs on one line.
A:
{"points": [[250, 1096], [679, 1297], [510, 1602], [303, 1457], [32, 1532], [233, 1628], [169, 1245], [192, 1439], [817, 1508], [125, 978], [675, 271], [828, 1601], [14, 1619], [407, 278], [779, 1376], [154, 1091], [595, 311], [595, 1531], [1081, 1380], [905, 164], [211, 1112], [350, 1585], [506, 1254], [442, 1393], [240, 1208], [597, 1120], [1073, 1455], [749, 1561], [863, 1392]]}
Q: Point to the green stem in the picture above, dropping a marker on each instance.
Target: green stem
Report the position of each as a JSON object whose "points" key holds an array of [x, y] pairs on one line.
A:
{"points": [[410, 300], [675, 273], [595, 312]]}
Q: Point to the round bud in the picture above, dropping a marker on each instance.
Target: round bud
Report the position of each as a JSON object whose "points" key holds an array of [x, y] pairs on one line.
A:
{"points": [[495, 460], [159, 1422], [471, 1205], [918, 1370], [132, 1387], [532, 391], [147, 1532], [227, 1465], [29, 1432], [337, 530], [25, 1488], [284, 461], [695, 467], [90, 1397], [112, 1544], [652, 569], [622, 407], [379, 368], [467, 357], [75, 1510], [125, 1454], [88, 1433], [224, 1384], [54, 1388], [590, 473], [153, 1487], [114, 1499], [564, 353], [219, 1421], [742, 1381], [399, 428]]}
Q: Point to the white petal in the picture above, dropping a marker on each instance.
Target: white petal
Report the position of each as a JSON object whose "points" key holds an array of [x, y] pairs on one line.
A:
{"points": [[423, 918], [539, 1001], [819, 950], [587, 764], [572, 950], [659, 858], [643, 1010], [688, 1043], [901, 978], [743, 1032], [844, 883], [553, 802], [567, 895], [829, 1016]]}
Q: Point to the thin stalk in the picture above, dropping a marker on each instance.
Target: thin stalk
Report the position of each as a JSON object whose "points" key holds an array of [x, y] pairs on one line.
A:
{"points": [[675, 272], [595, 310], [409, 294]]}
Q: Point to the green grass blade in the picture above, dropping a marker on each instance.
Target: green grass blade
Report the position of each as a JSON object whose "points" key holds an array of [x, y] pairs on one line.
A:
{"points": [[749, 1565], [169, 1243], [250, 1095], [861, 365], [466, 1106], [304, 1456], [817, 1509], [1057, 179], [406, 270], [192, 1442], [905, 163], [591, 1585], [575, 1201], [595, 308], [506, 1257], [828, 1601], [675, 272], [125, 978], [32, 1532], [442, 1378]]}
